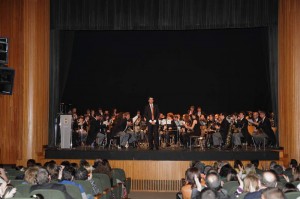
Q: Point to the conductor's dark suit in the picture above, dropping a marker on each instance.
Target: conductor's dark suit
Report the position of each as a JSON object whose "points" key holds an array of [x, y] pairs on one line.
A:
{"points": [[152, 129]]}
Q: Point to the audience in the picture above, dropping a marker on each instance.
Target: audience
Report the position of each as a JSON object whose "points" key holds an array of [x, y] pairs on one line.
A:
{"points": [[254, 183], [43, 179]]}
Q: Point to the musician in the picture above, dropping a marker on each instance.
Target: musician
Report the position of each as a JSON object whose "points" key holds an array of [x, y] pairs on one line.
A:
{"points": [[194, 127], [128, 130], [191, 110], [101, 133], [210, 129], [100, 111], [94, 129], [223, 127], [117, 130], [265, 126], [217, 136], [151, 114], [199, 112], [242, 123], [170, 128], [236, 132], [184, 132], [82, 131], [202, 122]]}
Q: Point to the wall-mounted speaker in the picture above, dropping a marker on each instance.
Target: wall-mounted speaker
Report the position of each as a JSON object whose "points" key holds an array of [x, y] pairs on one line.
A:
{"points": [[3, 50], [7, 76]]}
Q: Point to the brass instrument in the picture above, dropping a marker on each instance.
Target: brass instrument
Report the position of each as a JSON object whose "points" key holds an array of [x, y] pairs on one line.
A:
{"points": [[229, 135]]}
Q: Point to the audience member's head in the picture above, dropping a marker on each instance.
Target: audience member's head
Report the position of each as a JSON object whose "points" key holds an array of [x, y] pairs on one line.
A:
{"points": [[31, 175], [42, 176], [200, 166], [255, 163], [83, 163], [190, 176], [251, 183], [53, 170], [213, 181], [68, 173], [289, 187], [65, 163], [293, 163], [269, 179], [272, 193], [237, 163], [74, 165], [278, 169], [81, 174], [224, 170], [31, 163], [250, 169], [208, 194], [272, 164]]}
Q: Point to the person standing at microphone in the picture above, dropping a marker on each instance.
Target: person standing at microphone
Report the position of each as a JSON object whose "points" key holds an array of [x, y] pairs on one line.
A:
{"points": [[151, 114]]}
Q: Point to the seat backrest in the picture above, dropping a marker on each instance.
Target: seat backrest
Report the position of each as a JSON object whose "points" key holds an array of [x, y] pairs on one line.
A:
{"points": [[49, 193], [73, 191], [296, 183], [118, 173], [103, 182], [16, 182], [23, 190], [229, 185], [88, 189], [292, 195]]}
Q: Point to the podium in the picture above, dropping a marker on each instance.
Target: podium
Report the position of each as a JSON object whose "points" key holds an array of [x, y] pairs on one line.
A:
{"points": [[66, 131]]}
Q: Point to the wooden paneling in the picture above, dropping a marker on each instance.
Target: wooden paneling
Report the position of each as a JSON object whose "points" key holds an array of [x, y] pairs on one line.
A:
{"points": [[24, 115], [289, 77]]}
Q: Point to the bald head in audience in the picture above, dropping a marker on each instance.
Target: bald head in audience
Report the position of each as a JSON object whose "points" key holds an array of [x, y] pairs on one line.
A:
{"points": [[269, 179], [213, 181], [272, 193]]}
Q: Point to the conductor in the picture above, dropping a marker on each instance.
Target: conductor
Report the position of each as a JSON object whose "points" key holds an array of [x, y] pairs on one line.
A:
{"points": [[151, 114]]}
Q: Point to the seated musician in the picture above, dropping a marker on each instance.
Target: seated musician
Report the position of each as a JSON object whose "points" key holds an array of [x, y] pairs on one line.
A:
{"points": [[82, 131], [117, 130], [236, 132], [217, 137], [170, 129], [202, 122], [184, 132], [128, 130], [223, 128], [264, 131], [194, 128], [210, 129]]}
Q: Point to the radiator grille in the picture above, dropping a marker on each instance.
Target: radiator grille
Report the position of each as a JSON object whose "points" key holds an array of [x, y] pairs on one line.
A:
{"points": [[156, 185]]}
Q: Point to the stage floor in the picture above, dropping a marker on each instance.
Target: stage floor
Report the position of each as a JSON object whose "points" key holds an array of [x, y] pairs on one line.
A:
{"points": [[167, 154]]}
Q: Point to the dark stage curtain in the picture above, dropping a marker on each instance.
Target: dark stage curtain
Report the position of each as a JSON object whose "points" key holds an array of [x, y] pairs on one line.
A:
{"points": [[71, 15]]}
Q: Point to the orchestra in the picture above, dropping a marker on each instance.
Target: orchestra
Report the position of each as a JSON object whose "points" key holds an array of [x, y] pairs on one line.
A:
{"points": [[174, 130]]}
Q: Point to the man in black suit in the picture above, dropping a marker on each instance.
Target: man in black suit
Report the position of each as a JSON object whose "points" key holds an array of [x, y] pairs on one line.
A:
{"points": [[151, 114], [43, 179], [265, 126], [243, 125], [94, 129]]}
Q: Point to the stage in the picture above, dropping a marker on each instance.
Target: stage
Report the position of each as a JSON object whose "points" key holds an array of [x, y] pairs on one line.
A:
{"points": [[164, 154]]}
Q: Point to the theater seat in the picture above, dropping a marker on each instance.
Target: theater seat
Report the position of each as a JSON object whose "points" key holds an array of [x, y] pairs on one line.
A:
{"points": [[118, 173], [23, 190], [292, 195], [86, 186], [49, 193], [103, 183], [73, 191]]}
